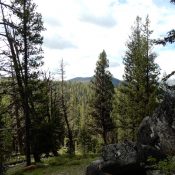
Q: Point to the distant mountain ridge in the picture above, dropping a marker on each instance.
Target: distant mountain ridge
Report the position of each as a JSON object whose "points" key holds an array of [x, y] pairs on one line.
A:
{"points": [[115, 81]]}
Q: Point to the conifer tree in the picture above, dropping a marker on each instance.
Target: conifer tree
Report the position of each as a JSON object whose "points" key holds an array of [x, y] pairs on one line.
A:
{"points": [[103, 98], [140, 85], [22, 27]]}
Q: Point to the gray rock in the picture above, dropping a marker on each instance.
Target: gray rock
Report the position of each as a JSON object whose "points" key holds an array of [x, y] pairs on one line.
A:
{"points": [[121, 159], [122, 153], [156, 138], [156, 134], [95, 168]]}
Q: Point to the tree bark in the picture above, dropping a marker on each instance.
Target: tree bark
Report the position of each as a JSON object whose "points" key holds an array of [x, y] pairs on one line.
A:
{"points": [[26, 94], [70, 134]]}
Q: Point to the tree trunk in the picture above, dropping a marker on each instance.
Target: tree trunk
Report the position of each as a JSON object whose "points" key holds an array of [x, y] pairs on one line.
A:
{"points": [[1, 169], [26, 93], [55, 153], [37, 157], [19, 77], [70, 135], [64, 107], [105, 137], [19, 131]]}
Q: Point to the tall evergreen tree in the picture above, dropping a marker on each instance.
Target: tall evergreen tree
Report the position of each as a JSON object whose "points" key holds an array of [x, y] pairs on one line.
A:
{"points": [[22, 27], [140, 85], [103, 98]]}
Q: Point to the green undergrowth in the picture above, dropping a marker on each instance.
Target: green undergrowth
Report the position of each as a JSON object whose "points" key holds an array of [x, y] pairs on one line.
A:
{"points": [[61, 165], [166, 166]]}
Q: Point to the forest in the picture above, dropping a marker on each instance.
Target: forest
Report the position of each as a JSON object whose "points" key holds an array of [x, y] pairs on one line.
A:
{"points": [[41, 117]]}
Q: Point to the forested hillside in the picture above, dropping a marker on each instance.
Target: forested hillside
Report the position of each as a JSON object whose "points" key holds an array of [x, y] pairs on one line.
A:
{"points": [[42, 116], [115, 81]]}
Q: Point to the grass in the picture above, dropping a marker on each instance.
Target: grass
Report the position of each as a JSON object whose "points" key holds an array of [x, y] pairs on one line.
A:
{"points": [[166, 166], [62, 165]]}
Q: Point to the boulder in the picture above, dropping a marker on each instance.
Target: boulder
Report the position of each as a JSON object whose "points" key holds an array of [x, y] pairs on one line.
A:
{"points": [[156, 134], [95, 168], [118, 159], [155, 138], [123, 153]]}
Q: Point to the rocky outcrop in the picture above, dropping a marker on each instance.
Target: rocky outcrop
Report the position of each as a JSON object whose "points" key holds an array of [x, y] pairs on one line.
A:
{"points": [[119, 159], [156, 138], [122, 153], [156, 134]]}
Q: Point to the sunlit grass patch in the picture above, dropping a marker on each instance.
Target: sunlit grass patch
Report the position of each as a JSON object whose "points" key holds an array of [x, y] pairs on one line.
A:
{"points": [[61, 165]]}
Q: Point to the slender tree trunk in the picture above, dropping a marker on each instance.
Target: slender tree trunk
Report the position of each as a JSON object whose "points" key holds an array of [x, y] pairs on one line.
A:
{"points": [[19, 132], [105, 137], [147, 68], [37, 157], [26, 94], [70, 134], [1, 168]]}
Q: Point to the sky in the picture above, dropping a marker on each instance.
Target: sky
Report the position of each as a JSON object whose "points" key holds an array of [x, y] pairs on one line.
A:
{"points": [[77, 31]]}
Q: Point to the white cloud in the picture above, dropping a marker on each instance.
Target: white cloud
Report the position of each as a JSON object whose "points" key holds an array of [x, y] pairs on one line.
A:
{"points": [[57, 42], [86, 27], [104, 21], [166, 61]]}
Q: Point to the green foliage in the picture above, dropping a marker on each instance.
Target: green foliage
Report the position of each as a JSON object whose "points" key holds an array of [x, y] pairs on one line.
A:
{"points": [[167, 165], [48, 128], [33, 29], [102, 100], [5, 130], [2, 151], [22, 26], [77, 97], [137, 97], [86, 141]]}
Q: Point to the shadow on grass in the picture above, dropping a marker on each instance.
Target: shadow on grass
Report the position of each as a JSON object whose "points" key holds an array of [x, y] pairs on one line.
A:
{"points": [[61, 165]]}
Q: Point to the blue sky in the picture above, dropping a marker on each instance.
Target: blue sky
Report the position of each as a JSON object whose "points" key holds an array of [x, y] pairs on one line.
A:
{"points": [[78, 30]]}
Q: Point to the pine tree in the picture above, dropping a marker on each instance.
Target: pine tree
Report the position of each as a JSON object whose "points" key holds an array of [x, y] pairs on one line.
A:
{"points": [[103, 98], [140, 85], [47, 126], [22, 27]]}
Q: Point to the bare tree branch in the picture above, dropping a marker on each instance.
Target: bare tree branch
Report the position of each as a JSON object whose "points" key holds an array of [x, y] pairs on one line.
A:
{"points": [[168, 76]]}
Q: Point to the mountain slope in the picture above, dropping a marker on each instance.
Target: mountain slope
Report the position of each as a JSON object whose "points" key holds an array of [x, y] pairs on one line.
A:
{"points": [[115, 81]]}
